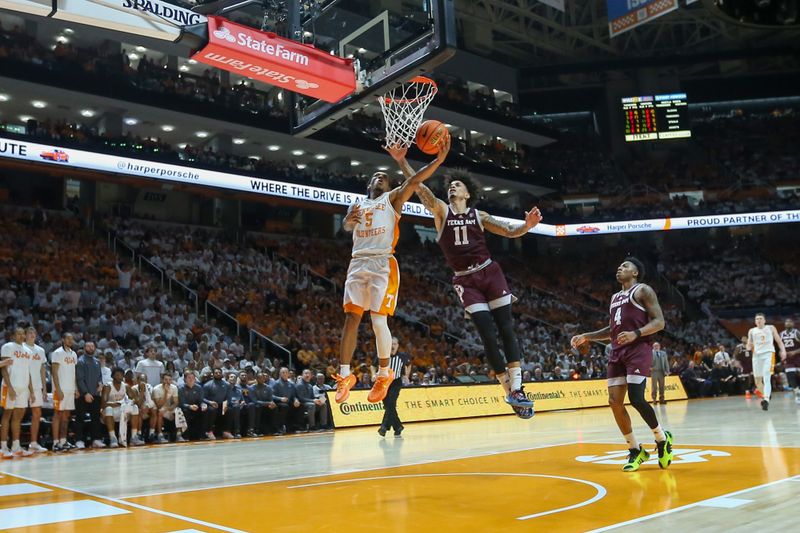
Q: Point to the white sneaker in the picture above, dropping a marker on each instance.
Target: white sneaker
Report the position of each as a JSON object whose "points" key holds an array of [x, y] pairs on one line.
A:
{"points": [[98, 444], [36, 447], [797, 396], [137, 441], [20, 452], [113, 442], [7, 454], [79, 445]]}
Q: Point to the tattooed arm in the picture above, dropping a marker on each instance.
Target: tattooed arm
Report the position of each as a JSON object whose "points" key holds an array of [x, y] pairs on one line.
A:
{"points": [[510, 229]]}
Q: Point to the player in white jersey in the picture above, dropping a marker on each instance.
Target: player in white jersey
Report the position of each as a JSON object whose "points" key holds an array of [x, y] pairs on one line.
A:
{"points": [[373, 278], [15, 393], [36, 369], [117, 405], [761, 342], [791, 341], [65, 390]]}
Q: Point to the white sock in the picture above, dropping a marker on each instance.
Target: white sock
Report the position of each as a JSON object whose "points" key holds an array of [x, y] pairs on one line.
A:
{"points": [[658, 433], [383, 371], [630, 438], [505, 382], [4, 446], [134, 433], [62, 441], [112, 435], [383, 337], [15, 445], [344, 370], [515, 375]]}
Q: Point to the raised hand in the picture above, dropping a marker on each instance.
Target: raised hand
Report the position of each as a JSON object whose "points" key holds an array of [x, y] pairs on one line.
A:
{"points": [[397, 151], [444, 149], [532, 217]]}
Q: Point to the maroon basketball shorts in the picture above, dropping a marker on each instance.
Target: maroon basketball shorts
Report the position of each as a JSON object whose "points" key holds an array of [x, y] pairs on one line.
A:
{"points": [[630, 364], [483, 290]]}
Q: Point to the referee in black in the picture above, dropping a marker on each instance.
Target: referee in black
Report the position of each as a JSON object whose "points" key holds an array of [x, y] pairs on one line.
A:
{"points": [[401, 364]]}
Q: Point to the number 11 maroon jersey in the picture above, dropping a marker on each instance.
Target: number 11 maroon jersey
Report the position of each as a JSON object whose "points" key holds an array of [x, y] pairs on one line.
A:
{"points": [[462, 240]]}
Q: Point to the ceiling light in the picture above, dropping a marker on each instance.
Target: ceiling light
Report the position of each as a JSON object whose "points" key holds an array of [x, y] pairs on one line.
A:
{"points": [[69, 31], [182, 146], [192, 62], [183, 68], [354, 163], [320, 156], [473, 132], [88, 113], [400, 172], [256, 157], [362, 50], [503, 191], [4, 98], [133, 57], [488, 188], [297, 152], [238, 141], [38, 104], [167, 127], [141, 49], [201, 134], [62, 39], [25, 118], [273, 147], [307, 34], [130, 121], [280, 96], [383, 168], [301, 166]]}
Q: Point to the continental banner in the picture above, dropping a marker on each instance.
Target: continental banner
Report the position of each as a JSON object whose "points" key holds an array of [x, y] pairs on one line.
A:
{"points": [[465, 401]]}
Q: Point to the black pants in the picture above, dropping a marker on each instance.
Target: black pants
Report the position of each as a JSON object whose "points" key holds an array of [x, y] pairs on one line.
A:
{"points": [[96, 427], [217, 422], [196, 424], [287, 415], [390, 417], [261, 418]]}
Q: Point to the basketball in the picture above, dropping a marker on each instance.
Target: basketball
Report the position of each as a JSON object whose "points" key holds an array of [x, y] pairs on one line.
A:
{"points": [[429, 134]]}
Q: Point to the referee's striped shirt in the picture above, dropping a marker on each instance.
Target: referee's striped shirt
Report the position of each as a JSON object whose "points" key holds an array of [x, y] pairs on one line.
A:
{"points": [[397, 362]]}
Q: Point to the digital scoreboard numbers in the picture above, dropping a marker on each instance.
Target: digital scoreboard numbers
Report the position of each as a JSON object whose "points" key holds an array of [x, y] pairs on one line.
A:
{"points": [[649, 118], [641, 123]]}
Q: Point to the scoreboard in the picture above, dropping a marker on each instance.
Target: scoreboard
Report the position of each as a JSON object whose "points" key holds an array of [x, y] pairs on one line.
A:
{"points": [[649, 118]]}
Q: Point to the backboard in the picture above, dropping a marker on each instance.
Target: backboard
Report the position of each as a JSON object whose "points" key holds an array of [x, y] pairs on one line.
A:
{"points": [[391, 40]]}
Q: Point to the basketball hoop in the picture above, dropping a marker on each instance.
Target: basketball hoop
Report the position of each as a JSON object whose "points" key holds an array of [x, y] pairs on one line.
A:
{"points": [[403, 108]]}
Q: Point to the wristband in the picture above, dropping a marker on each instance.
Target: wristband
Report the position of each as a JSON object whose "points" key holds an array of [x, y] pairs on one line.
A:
{"points": [[638, 332]]}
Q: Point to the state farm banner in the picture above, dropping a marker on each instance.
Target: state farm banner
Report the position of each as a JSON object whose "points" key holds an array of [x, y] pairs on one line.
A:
{"points": [[624, 15], [269, 58], [114, 164]]}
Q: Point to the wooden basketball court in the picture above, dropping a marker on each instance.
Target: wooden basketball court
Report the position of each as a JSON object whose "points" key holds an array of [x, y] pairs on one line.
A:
{"points": [[559, 472]]}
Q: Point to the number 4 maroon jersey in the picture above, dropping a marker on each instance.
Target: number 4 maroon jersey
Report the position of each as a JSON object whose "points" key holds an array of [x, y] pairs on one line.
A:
{"points": [[462, 240], [627, 315]]}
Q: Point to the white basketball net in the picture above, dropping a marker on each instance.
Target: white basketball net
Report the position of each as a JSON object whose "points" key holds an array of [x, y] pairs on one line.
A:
{"points": [[403, 108]]}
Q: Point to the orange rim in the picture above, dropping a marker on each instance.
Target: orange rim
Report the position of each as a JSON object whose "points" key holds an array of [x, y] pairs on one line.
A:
{"points": [[422, 80]]}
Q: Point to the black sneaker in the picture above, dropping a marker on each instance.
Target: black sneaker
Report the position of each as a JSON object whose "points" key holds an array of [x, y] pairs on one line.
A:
{"points": [[382, 431], [399, 432], [765, 405], [635, 459], [251, 433], [57, 448]]}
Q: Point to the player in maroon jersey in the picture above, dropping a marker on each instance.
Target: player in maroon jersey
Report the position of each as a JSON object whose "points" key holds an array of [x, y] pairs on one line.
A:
{"points": [[635, 316], [479, 281]]}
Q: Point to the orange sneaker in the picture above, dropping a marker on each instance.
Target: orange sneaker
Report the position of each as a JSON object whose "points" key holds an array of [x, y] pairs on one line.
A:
{"points": [[747, 395], [343, 386], [380, 388], [758, 393]]}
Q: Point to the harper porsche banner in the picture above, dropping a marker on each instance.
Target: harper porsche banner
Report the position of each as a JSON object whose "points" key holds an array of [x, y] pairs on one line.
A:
{"points": [[269, 58]]}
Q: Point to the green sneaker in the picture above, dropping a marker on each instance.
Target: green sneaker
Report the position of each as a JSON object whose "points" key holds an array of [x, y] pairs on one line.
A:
{"points": [[635, 460], [664, 449]]}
